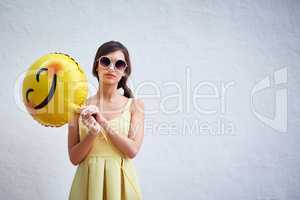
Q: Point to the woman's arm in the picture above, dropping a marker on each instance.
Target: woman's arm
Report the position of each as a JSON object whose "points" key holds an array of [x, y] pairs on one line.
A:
{"points": [[129, 145], [78, 150]]}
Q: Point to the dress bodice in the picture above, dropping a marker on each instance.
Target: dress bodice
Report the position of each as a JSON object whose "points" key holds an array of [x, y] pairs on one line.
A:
{"points": [[119, 124]]}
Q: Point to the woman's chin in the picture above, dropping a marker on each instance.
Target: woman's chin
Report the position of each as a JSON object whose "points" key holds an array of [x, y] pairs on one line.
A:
{"points": [[109, 81]]}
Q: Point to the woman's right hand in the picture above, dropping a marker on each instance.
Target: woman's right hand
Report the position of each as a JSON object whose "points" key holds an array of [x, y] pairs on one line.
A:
{"points": [[89, 121], [89, 110], [93, 110]]}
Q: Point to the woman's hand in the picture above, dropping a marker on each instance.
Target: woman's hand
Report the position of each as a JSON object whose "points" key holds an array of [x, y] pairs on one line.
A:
{"points": [[92, 110], [87, 114], [93, 126]]}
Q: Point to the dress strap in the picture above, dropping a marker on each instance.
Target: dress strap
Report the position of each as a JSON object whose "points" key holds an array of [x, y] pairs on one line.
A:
{"points": [[127, 106]]}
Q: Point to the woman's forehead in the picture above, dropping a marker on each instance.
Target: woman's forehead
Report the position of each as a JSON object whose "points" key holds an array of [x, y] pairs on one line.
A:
{"points": [[116, 55]]}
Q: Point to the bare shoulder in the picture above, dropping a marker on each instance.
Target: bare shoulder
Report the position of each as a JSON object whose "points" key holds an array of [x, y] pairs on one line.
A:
{"points": [[137, 105]]}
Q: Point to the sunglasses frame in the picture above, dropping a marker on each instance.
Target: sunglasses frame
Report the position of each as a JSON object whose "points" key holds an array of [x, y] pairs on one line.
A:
{"points": [[113, 64]]}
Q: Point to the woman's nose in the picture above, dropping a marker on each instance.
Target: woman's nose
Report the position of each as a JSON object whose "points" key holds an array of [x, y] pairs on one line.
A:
{"points": [[111, 67]]}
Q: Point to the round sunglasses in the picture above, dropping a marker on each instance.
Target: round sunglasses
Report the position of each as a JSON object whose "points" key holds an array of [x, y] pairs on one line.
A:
{"points": [[107, 62]]}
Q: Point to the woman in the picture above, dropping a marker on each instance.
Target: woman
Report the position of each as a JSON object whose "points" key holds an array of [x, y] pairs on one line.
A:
{"points": [[107, 133]]}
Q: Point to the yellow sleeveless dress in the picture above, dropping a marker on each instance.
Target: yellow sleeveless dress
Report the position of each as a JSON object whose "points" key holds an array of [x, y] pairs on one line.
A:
{"points": [[106, 173]]}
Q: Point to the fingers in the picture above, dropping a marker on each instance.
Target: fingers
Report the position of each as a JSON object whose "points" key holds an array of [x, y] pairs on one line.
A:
{"points": [[91, 124], [88, 120], [89, 110], [95, 128]]}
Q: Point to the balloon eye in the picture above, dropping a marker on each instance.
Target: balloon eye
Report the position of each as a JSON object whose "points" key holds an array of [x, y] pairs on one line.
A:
{"points": [[51, 92], [37, 77]]}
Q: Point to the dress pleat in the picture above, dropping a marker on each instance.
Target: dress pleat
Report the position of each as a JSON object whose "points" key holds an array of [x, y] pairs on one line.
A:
{"points": [[80, 184], [113, 180], [96, 178]]}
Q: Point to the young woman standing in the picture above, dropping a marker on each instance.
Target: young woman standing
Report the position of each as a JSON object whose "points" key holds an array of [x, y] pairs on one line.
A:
{"points": [[108, 132]]}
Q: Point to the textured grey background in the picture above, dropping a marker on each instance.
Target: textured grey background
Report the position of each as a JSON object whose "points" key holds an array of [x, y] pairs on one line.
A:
{"points": [[237, 42]]}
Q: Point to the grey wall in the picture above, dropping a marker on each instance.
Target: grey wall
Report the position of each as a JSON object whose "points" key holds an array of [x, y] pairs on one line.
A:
{"points": [[220, 82]]}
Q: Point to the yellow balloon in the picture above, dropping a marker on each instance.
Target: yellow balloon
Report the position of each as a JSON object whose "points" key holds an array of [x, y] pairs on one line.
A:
{"points": [[54, 86]]}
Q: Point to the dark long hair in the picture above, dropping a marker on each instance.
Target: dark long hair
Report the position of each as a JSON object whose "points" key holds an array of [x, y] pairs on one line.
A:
{"points": [[107, 48]]}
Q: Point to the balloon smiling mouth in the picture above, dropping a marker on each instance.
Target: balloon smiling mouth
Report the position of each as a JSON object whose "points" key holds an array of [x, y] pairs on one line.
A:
{"points": [[51, 92]]}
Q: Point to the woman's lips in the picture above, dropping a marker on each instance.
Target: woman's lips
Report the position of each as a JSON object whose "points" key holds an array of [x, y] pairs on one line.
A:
{"points": [[110, 75]]}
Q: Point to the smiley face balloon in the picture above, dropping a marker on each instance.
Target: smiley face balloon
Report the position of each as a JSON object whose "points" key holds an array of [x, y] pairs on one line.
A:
{"points": [[54, 86]]}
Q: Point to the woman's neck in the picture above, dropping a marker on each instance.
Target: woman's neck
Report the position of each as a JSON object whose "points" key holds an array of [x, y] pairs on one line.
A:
{"points": [[107, 93]]}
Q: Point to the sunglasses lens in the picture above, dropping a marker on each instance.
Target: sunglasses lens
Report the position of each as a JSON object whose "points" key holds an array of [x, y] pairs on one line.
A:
{"points": [[120, 64], [105, 61]]}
